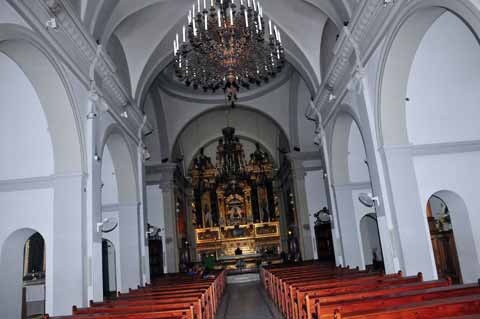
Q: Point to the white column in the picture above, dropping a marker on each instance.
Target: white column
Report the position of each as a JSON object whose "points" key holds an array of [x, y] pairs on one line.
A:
{"points": [[93, 207], [130, 258], [65, 259], [412, 225], [167, 185], [142, 220], [304, 236], [349, 227]]}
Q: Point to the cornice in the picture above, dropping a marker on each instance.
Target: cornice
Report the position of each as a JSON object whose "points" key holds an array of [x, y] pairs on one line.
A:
{"points": [[337, 81]]}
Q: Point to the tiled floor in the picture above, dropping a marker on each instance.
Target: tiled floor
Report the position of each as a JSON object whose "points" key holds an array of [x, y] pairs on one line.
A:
{"points": [[246, 301]]}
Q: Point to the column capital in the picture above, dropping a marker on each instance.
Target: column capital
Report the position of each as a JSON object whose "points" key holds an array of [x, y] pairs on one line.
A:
{"points": [[163, 175]]}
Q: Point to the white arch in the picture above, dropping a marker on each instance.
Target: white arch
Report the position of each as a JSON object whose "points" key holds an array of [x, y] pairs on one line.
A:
{"points": [[403, 40]]}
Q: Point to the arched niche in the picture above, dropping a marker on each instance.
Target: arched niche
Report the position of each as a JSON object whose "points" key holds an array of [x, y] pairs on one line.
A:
{"points": [[453, 243], [12, 272], [428, 77]]}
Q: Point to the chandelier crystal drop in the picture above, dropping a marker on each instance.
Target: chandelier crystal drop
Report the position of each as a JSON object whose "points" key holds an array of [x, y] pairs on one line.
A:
{"points": [[227, 46]]}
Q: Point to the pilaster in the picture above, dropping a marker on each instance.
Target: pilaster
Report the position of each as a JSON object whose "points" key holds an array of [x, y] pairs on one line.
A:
{"points": [[412, 225], [305, 236]]}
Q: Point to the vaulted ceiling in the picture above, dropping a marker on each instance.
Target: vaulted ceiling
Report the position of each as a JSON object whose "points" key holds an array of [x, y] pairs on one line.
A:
{"points": [[138, 36]]}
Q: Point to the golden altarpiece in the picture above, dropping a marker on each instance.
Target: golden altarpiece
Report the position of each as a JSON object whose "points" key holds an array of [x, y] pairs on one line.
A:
{"points": [[235, 208]]}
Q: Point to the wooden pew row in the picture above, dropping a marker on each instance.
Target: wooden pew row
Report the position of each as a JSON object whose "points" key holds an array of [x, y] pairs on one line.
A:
{"points": [[177, 297], [310, 292], [314, 303], [328, 310], [438, 308]]}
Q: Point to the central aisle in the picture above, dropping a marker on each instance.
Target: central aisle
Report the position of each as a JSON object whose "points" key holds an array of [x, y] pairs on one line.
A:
{"points": [[246, 301]]}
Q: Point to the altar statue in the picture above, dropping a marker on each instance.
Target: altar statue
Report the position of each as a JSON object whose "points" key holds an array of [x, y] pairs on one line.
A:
{"points": [[208, 222]]}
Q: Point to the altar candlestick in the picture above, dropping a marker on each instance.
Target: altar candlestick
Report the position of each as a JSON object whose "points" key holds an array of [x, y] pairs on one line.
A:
{"points": [[184, 33], [198, 2], [204, 4], [206, 22], [193, 12], [270, 27], [189, 17], [260, 23], [249, 4], [231, 16], [219, 18], [246, 18], [174, 48], [254, 5]]}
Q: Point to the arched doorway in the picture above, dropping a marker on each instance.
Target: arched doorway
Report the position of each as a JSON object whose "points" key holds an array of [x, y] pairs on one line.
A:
{"points": [[33, 292], [452, 237], [109, 268], [23, 268], [323, 236], [372, 249]]}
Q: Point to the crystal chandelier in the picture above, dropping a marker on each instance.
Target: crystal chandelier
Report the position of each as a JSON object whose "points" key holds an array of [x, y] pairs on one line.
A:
{"points": [[227, 47]]}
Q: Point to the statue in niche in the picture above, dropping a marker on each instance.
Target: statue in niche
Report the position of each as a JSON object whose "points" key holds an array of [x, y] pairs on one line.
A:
{"points": [[263, 211], [208, 222]]}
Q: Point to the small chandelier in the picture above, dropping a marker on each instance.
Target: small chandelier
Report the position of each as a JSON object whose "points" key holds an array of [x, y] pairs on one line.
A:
{"points": [[227, 47]]}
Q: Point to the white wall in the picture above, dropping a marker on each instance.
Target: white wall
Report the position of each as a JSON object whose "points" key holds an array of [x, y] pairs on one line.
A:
{"points": [[435, 173], [36, 214], [443, 85], [24, 137], [357, 168], [109, 180]]}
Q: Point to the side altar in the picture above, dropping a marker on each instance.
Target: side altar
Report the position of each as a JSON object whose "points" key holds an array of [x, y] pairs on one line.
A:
{"points": [[236, 213]]}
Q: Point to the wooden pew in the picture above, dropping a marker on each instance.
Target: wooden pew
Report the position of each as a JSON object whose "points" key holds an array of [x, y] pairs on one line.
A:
{"points": [[314, 303], [176, 297], [438, 308], [327, 310]]}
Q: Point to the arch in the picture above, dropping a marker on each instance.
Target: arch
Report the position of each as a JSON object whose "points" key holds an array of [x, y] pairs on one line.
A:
{"points": [[398, 54], [347, 149], [123, 164], [53, 90], [238, 109], [462, 233], [372, 249], [11, 272]]}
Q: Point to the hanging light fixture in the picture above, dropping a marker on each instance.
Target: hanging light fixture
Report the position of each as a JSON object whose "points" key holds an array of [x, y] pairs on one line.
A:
{"points": [[225, 46]]}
